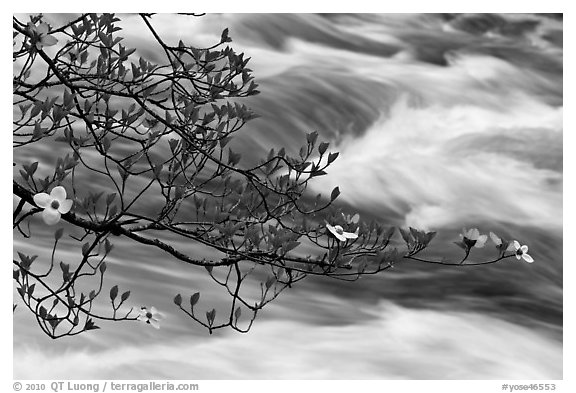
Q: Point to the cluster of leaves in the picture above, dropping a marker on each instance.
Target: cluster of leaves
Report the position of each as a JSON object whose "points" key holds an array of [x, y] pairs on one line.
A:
{"points": [[149, 153]]}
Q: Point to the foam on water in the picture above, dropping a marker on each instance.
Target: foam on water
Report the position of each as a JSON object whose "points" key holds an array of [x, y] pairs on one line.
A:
{"points": [[398, 343], [431, 163]]}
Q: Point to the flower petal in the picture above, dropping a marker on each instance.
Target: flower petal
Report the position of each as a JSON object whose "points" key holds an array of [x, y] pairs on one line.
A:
{"points": [[65, 206], [340, 237], [495, 239], [335, 232], [58, 193], [350, 235], [516, 245], [154, 324], [481, 241], [527, 258], [524, 249], [42, 28], [474, 233], [42, 200], [48, 40], [50, 216]]}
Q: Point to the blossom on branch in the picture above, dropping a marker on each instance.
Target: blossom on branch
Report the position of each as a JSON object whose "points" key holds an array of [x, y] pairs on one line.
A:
{"points": [[40, 36], [521, 252], [339, 233], [150, 316], [498, 242], [473, 238], [54, 204]]}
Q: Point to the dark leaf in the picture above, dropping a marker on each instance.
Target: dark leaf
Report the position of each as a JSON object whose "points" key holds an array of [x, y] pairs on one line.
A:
{"points": [[323, 147], [194, 299], [461, 245], [85, 249], [270, 281], [406, 236], [125, 296], [334, 194], [58, 233], [113, 292]]}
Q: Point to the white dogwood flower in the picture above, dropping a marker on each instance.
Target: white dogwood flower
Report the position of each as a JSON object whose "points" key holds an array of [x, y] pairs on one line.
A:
{"points": [[40, 36], [54, 204], [473, 238], [498, 242], [521, 252], [150, 316], [340, 234]]}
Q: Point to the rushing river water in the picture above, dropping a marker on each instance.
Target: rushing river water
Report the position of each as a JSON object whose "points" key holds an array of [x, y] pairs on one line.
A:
{"points": [[441, 122]]}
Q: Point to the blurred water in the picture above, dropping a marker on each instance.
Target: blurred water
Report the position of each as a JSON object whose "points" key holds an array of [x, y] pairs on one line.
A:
{"points": [[441, 122]]}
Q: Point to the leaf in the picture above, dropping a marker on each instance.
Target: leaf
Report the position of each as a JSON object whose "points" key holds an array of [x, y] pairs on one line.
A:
{"points": [[270, 281], [122, 172], [65, 268], [110, 198], [85, 249], [90, 325], [224, 37], [290, 246], [113, 292], [53, 321], [312, 137], [24, 175], [106, 143], [233, 158], [406, 236], [461, 245], [173, 144], [334, 194], [58, 233], [430, 236], [125, 296], [194, 299], [318, 173], [362, 266], [417, 235], [323, 147], [210, 315], [178, 300], [107, 246], [32, 168]]}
